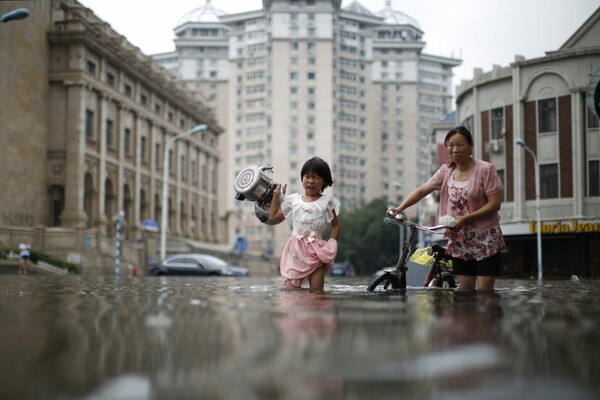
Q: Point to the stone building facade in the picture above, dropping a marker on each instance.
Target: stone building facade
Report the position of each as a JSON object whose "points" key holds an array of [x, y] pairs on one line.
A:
{"points": [[85, 120]]}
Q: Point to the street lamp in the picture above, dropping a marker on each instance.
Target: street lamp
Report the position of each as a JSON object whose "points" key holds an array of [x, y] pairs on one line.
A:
{"points": [[521, 143], [165, 190], [19, 13]]}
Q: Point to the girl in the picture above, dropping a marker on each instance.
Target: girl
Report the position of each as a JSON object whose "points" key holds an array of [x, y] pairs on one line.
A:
{"points": [[24, 248], [307, 256]]}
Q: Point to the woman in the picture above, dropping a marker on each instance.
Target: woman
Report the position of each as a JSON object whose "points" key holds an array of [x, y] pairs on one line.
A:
{"points": [[470, 192]]}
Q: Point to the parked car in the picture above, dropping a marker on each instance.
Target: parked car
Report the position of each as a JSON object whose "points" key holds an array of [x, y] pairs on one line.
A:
{"points": [[342, 269], [196, 265]]}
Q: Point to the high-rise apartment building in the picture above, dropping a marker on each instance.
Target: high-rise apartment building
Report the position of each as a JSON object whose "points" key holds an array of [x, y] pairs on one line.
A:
{"points": [[303, 78]]}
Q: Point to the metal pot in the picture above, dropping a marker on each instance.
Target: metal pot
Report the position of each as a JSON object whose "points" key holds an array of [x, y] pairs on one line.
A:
{"points": [[261, 208], [252, 183]]}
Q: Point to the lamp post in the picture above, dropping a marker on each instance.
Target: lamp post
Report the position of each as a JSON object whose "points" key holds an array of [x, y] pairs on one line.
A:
{"points": [[165, 190], [19, 13], [522, 143]]}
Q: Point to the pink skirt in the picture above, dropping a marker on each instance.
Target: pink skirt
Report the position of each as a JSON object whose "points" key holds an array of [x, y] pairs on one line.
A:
{"points": [[302, 255]]}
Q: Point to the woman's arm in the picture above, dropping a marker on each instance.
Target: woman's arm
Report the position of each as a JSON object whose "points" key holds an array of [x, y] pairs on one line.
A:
{"points": [[491, 206], [413, 198]]}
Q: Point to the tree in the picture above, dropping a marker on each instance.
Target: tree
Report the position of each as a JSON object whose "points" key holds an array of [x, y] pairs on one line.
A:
{"points": [[366, 240]]}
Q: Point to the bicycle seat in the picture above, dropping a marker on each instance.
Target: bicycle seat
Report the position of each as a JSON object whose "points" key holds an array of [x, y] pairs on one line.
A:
{"points": [[440, 251]]}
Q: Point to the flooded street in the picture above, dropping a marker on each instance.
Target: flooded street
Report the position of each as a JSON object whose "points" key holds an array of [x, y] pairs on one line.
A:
{"points": [[227, 338]]}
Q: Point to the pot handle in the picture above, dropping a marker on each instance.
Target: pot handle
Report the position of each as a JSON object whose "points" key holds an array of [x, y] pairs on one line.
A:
{"points": [[266, 168]]}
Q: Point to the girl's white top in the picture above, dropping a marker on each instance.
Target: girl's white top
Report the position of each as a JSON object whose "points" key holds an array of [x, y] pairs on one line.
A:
{"points": [[309, 218]]}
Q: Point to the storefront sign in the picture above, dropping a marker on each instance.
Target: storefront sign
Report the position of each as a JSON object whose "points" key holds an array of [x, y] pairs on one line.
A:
{"points": [[573, 226]]}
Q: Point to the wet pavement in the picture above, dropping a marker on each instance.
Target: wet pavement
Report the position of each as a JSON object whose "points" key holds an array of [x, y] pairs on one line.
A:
{"points": [[98, 338]]}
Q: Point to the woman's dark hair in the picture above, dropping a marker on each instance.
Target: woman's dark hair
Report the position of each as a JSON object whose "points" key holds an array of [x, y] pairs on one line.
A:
{"points": [[318, 166], [462, 131]]}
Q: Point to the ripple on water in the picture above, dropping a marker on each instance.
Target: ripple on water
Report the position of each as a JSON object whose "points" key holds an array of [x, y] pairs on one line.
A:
{"points": [[249, 338]]}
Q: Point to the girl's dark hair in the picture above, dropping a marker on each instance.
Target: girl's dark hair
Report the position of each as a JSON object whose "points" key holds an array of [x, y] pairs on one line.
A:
{"points": [[462, 131], [318, 166]]}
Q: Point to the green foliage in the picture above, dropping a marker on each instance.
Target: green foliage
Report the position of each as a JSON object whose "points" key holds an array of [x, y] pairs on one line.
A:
{"points": [[366, 240], [36, 255]]}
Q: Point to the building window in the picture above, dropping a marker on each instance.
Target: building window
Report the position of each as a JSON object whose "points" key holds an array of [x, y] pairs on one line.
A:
{"points": [[592, 119], [90, 66], [594, 178], [127, 140], [497, 122], [89, 125], [503, 192], [293, 45], [547, 115], [157, 156], [143, 150], [311, 76], [293, 76], [110, 142], [468, 123], [128, 90], [549, 181], [194, 174], [110, 79], [143, 99]]}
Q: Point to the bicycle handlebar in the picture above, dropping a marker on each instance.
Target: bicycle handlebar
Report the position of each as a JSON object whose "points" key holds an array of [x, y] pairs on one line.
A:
{"points": [[402, 221]]}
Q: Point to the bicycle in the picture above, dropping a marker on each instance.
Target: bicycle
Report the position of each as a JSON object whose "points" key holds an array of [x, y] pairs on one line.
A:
{"points": [[439, 275]]}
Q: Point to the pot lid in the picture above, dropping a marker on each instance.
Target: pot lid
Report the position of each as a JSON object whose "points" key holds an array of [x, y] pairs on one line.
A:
{"points": [[249, 177]]}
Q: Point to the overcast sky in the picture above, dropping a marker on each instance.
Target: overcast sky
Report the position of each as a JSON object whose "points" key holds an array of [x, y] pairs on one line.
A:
{"points": [[480, 32]]}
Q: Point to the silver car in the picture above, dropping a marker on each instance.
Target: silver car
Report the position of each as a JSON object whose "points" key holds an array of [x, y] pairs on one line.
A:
{"points": [[195, 264]]}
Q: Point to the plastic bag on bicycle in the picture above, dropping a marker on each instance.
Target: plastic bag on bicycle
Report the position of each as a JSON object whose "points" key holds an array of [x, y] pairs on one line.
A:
{"points": [[421, 257]]}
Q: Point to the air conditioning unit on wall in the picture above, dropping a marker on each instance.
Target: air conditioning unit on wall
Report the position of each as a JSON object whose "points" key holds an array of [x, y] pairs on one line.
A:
{"points": [[495, 146]]}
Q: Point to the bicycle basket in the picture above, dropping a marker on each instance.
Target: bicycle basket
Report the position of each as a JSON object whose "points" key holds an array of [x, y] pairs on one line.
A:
{"points": [[421, 257]]}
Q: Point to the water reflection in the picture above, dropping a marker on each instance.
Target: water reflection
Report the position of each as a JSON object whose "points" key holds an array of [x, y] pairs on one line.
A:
{"points": [[159, 338]]}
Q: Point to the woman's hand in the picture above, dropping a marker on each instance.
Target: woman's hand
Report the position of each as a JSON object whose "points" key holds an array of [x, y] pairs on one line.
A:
{"points": [[460, 222], [392, 212], [277, 188]]}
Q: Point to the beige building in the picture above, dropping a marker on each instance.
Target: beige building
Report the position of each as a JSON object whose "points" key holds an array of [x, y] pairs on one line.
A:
{"points": [[300, 78], [85, 119], [543, 101]]}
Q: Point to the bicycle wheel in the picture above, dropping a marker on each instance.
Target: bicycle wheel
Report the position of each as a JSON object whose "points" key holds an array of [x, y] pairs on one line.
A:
{"points": [[384, 282], [448, 282]]}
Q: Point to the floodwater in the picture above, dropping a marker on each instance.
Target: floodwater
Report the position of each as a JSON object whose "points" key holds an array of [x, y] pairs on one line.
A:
{"points": [[103, 338]]}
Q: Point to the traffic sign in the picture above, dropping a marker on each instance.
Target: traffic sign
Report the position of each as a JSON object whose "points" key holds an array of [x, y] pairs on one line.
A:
{"points": [[150, 225]]}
